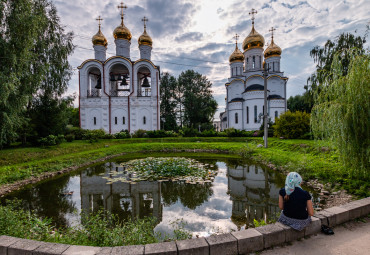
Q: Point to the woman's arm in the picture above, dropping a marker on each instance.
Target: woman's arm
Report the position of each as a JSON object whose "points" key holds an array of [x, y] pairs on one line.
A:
{"points": [[281, 202], [309, 207]]}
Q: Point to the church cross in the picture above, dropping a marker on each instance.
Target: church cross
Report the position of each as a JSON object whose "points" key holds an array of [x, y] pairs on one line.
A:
{"points": [[252, 13], [99, 21], [272, 32], [122, 6], [236, 37], [145, 20]]}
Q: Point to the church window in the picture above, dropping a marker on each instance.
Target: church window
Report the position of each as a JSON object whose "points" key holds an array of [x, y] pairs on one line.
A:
{"points": [[247, 114], [276, 114], [123, 121], [115, 120], [260, 62], [144, 120], [236, 118], [94, 120], [254, 62], [255, 114]]}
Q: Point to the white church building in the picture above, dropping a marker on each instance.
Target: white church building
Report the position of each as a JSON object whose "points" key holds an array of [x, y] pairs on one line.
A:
{"points": [[119, 93], [245, 87]]}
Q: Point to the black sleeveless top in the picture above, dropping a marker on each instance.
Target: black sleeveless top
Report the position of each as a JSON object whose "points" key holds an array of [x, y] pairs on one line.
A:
{"points": [[296, 206]]}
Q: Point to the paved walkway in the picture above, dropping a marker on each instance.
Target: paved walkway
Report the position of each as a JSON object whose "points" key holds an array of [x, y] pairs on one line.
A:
{"points": [[352, 238]]}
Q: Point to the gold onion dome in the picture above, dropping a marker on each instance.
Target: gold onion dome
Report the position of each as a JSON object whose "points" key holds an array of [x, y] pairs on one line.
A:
{"points": [[99, 39], [272, 50], [145, 39], [253, 40], [122, 32], [236, 56]]}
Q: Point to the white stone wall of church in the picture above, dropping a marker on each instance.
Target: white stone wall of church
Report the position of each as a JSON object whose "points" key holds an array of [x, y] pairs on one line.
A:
{"points": [[235, 108], [254, 80], [273, 63], [276, 105], [276, 86], [100, 52], [236, 69], [248, 59], [145, 52], [235, 90], [251, 103], [122, 48]]}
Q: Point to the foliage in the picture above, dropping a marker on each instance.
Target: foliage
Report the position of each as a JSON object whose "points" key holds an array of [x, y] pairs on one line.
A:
{"points": [[51, 140], [188, 132], [168, 102], [160, 134], [341, 112], [208, 133], [94, 135], [260, 223], [78, 132], [36, 49], [198, 102], [292, 125], [122, 135], [70, 138], [140, 133], [99, 229], [299, 103], [232, 132], [247, 150]]}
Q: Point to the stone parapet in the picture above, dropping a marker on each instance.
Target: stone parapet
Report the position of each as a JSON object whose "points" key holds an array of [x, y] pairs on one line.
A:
{"points": [[240, 242]]}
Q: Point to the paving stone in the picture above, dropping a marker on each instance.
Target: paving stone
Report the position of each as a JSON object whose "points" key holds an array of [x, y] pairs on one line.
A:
{"points": [[323, 218], [129, 250], [314, 227], [23, 247], [81, 250], [272, 235], [166, 248], [249, 240], [105, 251], [331, 217], [5, 242], [354, 209], [290, 233], [222, 244], [341, 214], [50, 249], [197, 246]]}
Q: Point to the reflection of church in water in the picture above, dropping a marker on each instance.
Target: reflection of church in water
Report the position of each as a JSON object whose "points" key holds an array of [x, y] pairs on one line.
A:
{"points": [[252, 193], [127, 200]]}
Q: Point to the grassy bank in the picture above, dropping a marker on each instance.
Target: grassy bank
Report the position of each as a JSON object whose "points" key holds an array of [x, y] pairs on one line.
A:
{"points": [[310, 158]]}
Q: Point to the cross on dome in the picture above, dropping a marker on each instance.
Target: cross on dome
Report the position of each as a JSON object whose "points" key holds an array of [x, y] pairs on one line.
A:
{"points": [[272, 29], [145, 19], [122, 6], [99, 21], [253, 11], [236, 37]]}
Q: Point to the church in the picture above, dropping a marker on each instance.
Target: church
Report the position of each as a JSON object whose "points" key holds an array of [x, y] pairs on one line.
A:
{"points": [[245, 87], [119, 93]]}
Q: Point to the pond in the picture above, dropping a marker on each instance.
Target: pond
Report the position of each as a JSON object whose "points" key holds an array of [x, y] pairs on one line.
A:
{"points": [[238, 193]]}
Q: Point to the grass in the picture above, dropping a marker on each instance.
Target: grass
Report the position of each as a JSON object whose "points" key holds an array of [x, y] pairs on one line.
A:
{"points": [[311, 159]]}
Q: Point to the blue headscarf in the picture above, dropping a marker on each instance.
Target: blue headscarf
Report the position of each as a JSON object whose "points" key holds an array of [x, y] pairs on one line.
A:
{"points": [[292, 180]]}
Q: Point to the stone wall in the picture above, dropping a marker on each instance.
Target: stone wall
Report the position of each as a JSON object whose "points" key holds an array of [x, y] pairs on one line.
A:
{"points": [[241, 242]]}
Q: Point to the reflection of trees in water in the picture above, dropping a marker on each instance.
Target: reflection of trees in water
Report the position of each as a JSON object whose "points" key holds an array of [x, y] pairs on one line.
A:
{"points": [[47, 199], [190, 195]]}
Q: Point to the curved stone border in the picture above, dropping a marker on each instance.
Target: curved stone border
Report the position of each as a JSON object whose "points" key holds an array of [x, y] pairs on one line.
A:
{"points": [[240, 242]]}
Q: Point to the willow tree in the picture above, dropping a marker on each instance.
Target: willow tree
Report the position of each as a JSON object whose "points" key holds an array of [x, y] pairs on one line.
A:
{"points": [[342, 111]]}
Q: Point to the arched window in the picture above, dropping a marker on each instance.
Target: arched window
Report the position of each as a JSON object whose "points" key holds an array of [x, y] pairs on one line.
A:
{"points": [[123, 121], [115, 120], [276, 114], [144, 120], [94, 120], [236, 118], [247, 114], [255, 114], [260, 62], [254, 62]]}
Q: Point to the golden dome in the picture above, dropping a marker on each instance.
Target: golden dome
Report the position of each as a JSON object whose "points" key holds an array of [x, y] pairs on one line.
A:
{"points": [[253, 40], [272, 50], [99, 39], [236, 56], [145, 39], [122, 32]]}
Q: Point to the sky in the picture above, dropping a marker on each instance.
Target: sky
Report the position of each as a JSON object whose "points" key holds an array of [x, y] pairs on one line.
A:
{"points": [[198, 34]]}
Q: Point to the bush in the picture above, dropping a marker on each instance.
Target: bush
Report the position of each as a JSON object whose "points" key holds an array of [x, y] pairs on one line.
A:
{"points": [[60, 139], [70, 137], [232, 132], [292, 125], [51, 140], [94, 135], [140, 133], [188, 132], [121, 135], [78, 133], [221, 134], [208, 133]]}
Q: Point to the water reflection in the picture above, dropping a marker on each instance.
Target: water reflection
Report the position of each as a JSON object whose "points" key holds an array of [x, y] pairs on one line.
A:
{"points": [[238, 194]]}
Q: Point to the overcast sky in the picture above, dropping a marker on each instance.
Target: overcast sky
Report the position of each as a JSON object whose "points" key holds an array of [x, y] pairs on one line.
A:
{"points": [[198, 34]]}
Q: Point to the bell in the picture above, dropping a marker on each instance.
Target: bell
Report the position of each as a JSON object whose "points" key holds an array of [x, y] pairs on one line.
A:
{"points": [[120, 77], [112, 77], [124, 82], [98, 83], [145, 83]]}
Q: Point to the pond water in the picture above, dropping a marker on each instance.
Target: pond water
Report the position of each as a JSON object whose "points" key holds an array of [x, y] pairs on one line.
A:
{"points": [[239, 193]]}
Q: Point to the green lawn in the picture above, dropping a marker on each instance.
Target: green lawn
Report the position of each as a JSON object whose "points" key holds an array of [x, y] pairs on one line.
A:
{"points": [[311, 159]]}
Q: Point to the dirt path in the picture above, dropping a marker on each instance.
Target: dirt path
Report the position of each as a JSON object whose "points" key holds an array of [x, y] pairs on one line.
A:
{"points": [[350, 238]]}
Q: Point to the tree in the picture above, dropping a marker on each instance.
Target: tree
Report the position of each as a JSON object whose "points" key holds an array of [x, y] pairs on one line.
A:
{"points": [[342, 110], [197, 100], [34, 50], [298, 103], [292, 125], [168, 102]]}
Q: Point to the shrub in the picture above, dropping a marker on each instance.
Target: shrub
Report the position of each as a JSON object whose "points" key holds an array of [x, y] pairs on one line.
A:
{"points": [[121, 135], [188, 132], [70, 137], [292, 125], [60, 139], [94, 135], [208, 133], [50, 140], [221, 134], [79, 133], [140, 133]]}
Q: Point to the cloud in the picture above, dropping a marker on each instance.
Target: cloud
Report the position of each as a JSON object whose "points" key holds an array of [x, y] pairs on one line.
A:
{"points": [[190, 36]]}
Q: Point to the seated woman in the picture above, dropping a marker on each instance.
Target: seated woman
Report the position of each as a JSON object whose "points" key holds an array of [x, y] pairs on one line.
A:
{"points": [[295, 203]]}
